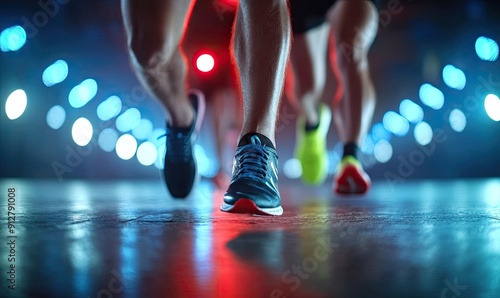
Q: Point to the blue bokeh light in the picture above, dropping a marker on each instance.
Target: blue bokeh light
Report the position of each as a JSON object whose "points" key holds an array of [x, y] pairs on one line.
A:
{"points": [[55, 73], [109, 108], [107, 139], [431, 96], [454, 77], [457, 119], [143, 130], [486, 49], [81, 94], [379, 132], [411, 111], [368, 145], [128, 120], [383, 151], [396, 123], [12, 38], [55, 117]]}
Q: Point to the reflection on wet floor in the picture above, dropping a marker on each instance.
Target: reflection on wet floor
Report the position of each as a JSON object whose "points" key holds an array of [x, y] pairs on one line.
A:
{"points": [[127, 239]]}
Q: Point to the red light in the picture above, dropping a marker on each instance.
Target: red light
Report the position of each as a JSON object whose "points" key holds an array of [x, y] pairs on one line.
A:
{"points": [[205, 62]]}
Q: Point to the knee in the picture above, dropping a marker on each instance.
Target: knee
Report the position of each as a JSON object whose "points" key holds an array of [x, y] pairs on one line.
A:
{"points": [[351, 50], [150, 53]]}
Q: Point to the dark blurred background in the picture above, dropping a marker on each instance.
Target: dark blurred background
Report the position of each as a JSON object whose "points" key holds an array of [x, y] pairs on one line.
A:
{"points": [[426, 52]]}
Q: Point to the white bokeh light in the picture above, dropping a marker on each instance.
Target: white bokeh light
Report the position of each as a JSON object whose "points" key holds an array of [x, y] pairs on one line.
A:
{"points": [[423, 133], [82, 131], [147, 153], [126, 146], [16, 104]]}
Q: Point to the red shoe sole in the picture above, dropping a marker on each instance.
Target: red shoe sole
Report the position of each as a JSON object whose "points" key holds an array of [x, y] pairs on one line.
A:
{"points": [[352, 181], [247, 206]]}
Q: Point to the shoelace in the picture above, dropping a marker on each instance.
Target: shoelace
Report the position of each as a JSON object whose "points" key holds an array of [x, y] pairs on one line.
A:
{"points": [[179, 146], [252, 162]]}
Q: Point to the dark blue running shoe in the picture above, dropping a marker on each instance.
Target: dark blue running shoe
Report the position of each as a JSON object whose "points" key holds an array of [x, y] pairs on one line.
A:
{"points": [[179, 170], [254, 186]]}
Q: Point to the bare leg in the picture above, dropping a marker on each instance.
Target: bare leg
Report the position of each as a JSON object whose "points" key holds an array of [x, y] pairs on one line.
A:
{"points": [[227, 116], [307, 58], [354, 26], [154, 31], [261, 45]]}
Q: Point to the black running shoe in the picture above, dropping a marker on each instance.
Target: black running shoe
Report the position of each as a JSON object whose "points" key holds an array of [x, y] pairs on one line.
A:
{"points": [[179, 170], [254, 186]]}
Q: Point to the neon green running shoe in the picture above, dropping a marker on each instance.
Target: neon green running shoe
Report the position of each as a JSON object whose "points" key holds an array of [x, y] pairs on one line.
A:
{"points": [[310, 147]]}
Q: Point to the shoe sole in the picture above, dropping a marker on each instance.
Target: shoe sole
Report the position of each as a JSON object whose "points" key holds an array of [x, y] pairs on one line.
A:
{"points": [[247, 206], [352, 182]]}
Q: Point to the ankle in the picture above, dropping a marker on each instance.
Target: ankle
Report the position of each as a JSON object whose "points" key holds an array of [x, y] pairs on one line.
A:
{"points": [[182, 118], [351, 149]]}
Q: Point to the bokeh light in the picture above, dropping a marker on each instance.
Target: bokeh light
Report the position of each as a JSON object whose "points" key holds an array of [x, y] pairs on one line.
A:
{"points": [[423, 133], [126, 146], [55, 117], [12, 38], [492, 106], [383, 151], [396, 123], [128, 120], [457, 119], [379, 132], [147, 153], [16, 104], [159, 162], [368, 144], [486, 49], [109, 108], [107, 139], [82, 131], [411, 111], [454, 77], [81, 94], [206, 166], [143, 130], [292, 169], [431, 96], [205, 63], [55, 73]]}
